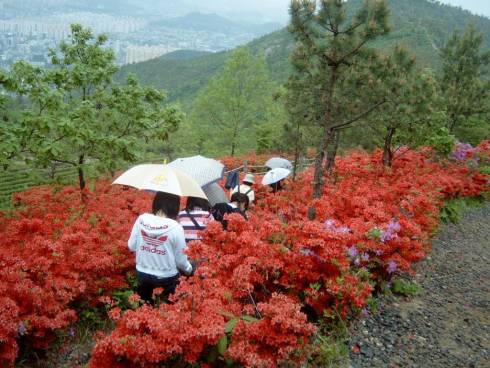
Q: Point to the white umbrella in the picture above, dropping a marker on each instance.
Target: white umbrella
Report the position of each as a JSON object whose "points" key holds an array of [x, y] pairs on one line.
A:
{"points": [[275, 175], [215, 194], [204, 170], [279, 162], [161, 178]]}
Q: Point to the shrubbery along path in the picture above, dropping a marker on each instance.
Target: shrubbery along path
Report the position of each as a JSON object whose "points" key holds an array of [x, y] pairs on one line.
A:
{"points": [[246, 302]]}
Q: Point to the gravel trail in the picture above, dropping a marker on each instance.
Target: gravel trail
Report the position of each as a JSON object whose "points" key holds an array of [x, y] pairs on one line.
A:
{"points": [[448, 323]]}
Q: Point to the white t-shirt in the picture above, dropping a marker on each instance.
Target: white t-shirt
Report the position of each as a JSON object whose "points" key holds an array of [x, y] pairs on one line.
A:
{"points": [[159, 243], [244, 188]]}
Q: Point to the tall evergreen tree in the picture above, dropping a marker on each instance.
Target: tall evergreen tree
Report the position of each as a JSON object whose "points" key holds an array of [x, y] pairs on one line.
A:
{"points": [[75, 114], [410, 115], [464, 85], [328, 46]]}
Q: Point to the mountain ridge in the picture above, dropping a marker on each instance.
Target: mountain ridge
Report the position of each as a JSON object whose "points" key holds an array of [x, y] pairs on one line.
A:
{"points": [[421, 26]]}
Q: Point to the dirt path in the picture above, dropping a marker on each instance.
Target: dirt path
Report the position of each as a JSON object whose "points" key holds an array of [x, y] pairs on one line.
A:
{"points": [[448, 323]]}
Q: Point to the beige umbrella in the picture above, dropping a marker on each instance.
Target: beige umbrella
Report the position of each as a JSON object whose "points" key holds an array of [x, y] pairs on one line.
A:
{"points": [[161, 178]]}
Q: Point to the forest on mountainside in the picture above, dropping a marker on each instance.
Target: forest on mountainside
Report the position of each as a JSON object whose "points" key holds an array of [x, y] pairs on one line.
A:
{"points": [[420, 25]]}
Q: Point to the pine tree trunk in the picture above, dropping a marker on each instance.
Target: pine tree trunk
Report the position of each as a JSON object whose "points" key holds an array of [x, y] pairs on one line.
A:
{"points": [[387, 151], [81, 174], [233, 141], [296, 152], [327, 136], [332, 154]]}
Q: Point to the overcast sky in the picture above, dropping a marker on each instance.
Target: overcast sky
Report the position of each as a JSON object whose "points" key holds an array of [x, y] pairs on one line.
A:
{"points": [[279, 7], [481, 7]]}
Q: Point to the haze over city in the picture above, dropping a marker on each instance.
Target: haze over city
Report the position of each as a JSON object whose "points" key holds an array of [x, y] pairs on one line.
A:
{"points": [[142, 30]]}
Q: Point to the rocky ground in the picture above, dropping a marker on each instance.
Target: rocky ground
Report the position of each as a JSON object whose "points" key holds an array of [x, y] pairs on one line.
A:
{"points": [[448, 323]]}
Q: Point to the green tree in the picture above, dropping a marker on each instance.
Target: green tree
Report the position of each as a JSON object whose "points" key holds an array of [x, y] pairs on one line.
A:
{"points": [[235, 102], [465, 88], [328, 47], [410, 115], [75, 115]]}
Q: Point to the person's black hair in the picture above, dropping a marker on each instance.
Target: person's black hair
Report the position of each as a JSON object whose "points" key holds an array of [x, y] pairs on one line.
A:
{"points": [[277, 186], [241, 198], [193, 202], [168, 203]]}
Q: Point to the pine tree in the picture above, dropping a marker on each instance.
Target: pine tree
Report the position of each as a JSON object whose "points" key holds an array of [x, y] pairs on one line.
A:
{"points": [[328, 46], [74, 113], [465, 87], [410, 115]]}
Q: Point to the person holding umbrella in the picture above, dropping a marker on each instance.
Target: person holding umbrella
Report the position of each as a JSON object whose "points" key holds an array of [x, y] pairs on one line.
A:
{"points": [[274, 178], [157, 238]]}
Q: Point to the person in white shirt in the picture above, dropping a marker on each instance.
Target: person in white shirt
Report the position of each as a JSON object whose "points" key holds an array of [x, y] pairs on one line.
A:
{"points": [[246, 188], [159, 243]]}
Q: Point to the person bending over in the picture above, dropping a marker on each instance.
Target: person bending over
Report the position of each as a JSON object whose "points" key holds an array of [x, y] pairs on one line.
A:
{"points": [[159, 243]]}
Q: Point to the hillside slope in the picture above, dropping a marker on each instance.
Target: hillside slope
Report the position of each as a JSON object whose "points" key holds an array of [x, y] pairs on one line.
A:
{"points": [[422, 26]]}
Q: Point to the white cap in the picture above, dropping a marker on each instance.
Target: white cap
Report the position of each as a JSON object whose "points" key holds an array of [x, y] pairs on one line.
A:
{"points": [[249, 178]]}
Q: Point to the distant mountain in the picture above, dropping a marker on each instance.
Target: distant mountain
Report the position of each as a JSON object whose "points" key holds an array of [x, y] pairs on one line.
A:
{"points": [[421, 26], [214, 23]]}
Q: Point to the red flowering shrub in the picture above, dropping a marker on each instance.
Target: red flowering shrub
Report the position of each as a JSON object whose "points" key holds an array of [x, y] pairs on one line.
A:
{"points": [[58, 252], [247, 300]]}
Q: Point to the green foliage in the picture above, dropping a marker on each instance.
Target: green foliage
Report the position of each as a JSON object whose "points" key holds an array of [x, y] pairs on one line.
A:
{"points": [[409, 114], [405, 288], [442, 141], [74, 114], [466, 92], [421, 26], [453, 209], [235, 103], [329, 347], [329, 48]]}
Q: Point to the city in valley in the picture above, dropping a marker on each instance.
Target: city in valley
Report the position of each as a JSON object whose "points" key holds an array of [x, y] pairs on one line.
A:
{"points": [[29, 28]]}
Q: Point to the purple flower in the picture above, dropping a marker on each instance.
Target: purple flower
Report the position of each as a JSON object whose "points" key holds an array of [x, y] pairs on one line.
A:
{"points": [[71, 332], [365, 257], [392, 266], [309, 253], [357, 262], [394, 226], [365, 312], [21, 329], [330, 226], [378, 252], [462, 151], [343, 230], [391, 230], [352, 251], [386, 236]]}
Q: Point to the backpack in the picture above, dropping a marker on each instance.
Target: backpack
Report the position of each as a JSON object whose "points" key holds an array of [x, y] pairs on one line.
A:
{"points": [[219, 211], [232, 180]]}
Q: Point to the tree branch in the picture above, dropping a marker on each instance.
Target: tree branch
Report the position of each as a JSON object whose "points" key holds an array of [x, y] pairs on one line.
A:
{"points": [[360, 116]]}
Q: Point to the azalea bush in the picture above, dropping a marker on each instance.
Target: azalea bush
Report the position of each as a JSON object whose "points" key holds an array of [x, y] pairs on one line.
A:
{"points": [[260, 286], [57, 253], [265, 281]]}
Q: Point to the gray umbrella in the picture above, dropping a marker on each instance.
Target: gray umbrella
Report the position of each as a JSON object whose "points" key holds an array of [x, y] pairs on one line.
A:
{"points": [[279, 163], [202, 169], [215, 194]]}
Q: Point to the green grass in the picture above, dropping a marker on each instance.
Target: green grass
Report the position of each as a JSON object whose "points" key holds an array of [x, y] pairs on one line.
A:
{"points": [[405, 288]]}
